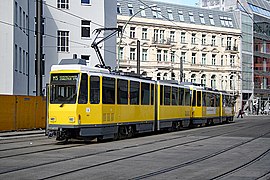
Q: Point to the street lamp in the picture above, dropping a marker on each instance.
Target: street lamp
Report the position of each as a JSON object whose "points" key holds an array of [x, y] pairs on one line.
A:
{"points": [[123, 30]]}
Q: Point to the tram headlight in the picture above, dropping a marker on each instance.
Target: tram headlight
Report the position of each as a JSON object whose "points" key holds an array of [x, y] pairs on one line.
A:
{"points": [[52, 119], [71, 119]]}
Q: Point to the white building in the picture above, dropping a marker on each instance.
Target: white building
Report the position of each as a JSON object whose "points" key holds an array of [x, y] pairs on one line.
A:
{"points": [[70, 24], [205, 42], [68, 27], [17, 47]]}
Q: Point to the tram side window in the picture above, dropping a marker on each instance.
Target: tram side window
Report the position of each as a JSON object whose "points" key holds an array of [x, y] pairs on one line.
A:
{"points": [[181, 96], [161, 95], [212, 100], [187, 97], [194, 98], [145, 93], [167, 95], [199, 98], [83, 96], [152, 94], [204, 98], [108, 90], [94, 90], [217, 100], [175, 95], [134, 92], [122, 91]]}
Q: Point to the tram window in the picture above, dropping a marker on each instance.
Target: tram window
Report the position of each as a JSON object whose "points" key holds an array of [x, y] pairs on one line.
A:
{"points": [[204, 98], [145, 93], [175, 96], [199, 98], [161, 95], [83, 96], [167, 95], [212, 100], [187, 97], [122, 91], [134, 92], [108, 90], [194, 98], [152, 94], [217, 100], [94, 90], [181, 96]]}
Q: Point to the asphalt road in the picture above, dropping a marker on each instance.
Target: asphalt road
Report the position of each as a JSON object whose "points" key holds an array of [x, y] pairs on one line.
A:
{"points": [[239, 151]]}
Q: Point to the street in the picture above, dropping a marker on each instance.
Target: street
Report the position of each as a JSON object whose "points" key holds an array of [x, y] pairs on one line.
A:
{"points": [[239, 150]]}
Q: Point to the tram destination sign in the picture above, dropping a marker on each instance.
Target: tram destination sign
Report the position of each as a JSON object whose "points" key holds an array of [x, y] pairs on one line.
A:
{"points": [[64, 77]]}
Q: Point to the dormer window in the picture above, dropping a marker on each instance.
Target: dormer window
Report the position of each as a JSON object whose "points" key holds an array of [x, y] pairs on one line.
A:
{"points": [[119, 8], [130, 9], [170, 14], [191, 17], [202, 19], [181, 16], [142, 11]]}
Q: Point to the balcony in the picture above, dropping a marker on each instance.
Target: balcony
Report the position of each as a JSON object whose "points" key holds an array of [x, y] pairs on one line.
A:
{"points": [[161, 42], [233, 49]]}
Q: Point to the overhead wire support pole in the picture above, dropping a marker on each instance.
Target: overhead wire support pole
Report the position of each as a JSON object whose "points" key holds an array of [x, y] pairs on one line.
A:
{"points": [[39, 45]]}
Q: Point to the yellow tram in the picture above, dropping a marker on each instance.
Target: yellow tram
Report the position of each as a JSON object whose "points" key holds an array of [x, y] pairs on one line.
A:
{"points": [[90, 102]]}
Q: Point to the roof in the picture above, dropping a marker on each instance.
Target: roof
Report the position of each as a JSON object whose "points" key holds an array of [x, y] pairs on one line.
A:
{"points": [[171, 12]]}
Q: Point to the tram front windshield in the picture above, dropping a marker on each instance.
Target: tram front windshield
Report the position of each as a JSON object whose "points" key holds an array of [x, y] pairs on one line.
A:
{"points": [[64, 88]]}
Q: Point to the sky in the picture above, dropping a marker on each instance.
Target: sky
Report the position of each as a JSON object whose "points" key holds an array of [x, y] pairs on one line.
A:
{"points": [[182, 2]]}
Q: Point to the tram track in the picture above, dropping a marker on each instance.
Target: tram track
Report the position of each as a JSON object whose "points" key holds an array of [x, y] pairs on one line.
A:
{"points": [[119, 149], [261, 156], [188, 163], [121, 158]]}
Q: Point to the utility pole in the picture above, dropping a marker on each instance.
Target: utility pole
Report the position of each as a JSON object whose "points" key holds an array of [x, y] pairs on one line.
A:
{"points": [[138, 57], [39, 45], [181, 69]]}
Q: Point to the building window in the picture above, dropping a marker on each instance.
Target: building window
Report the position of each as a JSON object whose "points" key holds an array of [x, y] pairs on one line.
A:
{"points": [[118, 10], [158, 55], [183, 37], [222, 20], [172, 35], [23, 62], [20, 59], [193, 58], [173, 56], [63, 4], [27, 63], [165, 76], [159, 15], [183, 57], [132, 32], [85, 28], [221, 60], [165, 55], [154, 12], [213, 59], [85, 2], [202, 19], [16, 57], [229, 42], [230, 22], [158, 76], [203, 59], [203, 39], [191, 17], [211, 18], [142, 11], [203, 80], [121, 53], [130, 9], [16, 13], [144, 33], [132, 54], [213, 81], [161, 36], [213, 40], [232, 61], [232, 82], [193, 38], [63, 41], [193, 78], [170, 14], [20, 16], [181, 16], [173, 78], [144, 54]]}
